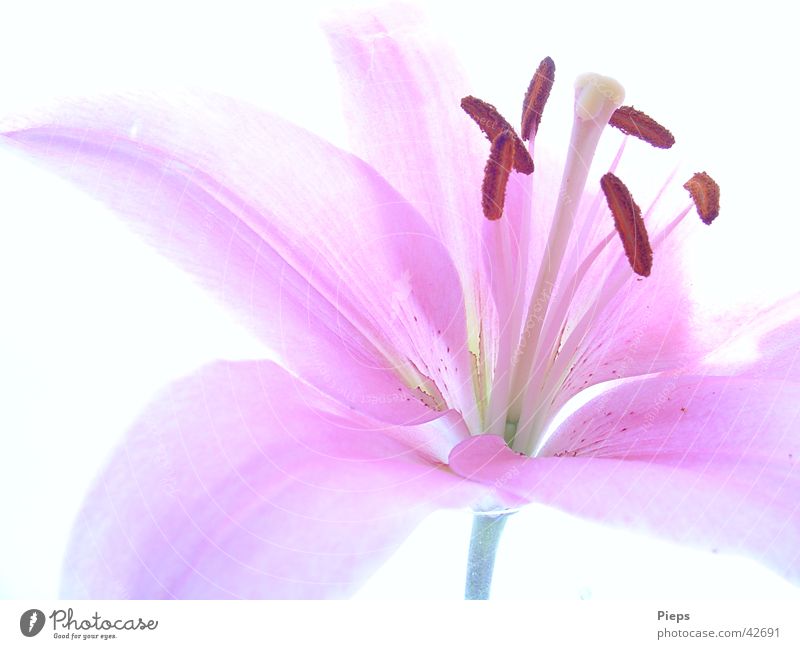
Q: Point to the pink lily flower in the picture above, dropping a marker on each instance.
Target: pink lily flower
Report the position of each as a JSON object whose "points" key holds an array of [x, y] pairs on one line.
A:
{"points": [[427, 352]]}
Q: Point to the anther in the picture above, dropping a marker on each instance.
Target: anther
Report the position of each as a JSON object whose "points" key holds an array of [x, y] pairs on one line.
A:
{"points": [[634, 122], [629, 223], [538, 91], [495, 175], [705, 193], [492, 123]]}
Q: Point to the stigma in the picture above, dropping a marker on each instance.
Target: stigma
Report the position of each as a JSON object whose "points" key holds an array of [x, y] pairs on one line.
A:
{"points": [[593, 93]]}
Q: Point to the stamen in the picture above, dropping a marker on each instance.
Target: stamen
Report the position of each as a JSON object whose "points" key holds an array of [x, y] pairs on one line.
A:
{"points": [[492, 123], [536, 97], [495, 175], [596, 97], [629, 223], [634, 122], [705, 194]]}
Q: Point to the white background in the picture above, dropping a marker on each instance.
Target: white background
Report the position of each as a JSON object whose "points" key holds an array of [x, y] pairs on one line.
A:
{"points": [[93, 322]]}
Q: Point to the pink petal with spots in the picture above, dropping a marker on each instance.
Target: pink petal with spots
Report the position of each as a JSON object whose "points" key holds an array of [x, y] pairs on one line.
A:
{"points": [[402, 91], [324, 259]]}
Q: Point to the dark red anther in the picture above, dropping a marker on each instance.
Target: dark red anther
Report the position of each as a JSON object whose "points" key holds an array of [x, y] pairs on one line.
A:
{"points": [[538, 91], [495, 175], [492, 123], [629, 223], [634, 122], [705, 193]]}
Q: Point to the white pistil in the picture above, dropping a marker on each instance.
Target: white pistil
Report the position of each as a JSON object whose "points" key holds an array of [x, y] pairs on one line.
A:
{"points": [[596, 98]]}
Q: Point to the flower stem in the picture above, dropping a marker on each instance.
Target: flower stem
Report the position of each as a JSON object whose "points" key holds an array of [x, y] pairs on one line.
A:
{"points": [[486, 531]]}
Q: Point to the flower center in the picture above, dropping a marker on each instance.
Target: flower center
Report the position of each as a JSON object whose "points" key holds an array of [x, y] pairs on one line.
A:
{"points": [[537, 347]]}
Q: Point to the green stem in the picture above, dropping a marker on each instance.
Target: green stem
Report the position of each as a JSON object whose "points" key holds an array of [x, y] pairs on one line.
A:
{"points": [[486, 531]]}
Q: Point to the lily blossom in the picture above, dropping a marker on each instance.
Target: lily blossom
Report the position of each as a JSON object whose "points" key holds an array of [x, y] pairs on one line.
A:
{"points": [[427, 352]]}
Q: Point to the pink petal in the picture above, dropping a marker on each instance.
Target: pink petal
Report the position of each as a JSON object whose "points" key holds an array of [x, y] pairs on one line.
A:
{"points": [[654, 325], [402, 92], [766, 347], [711, 462], [319, 254], [243, 482]]}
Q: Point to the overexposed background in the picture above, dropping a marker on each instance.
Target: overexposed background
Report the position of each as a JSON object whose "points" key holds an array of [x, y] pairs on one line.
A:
{"points": [[93, 322]]}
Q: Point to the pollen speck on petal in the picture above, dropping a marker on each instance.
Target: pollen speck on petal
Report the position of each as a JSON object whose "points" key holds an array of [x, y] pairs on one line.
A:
{"points": [[704, 191], [629, 223]]}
